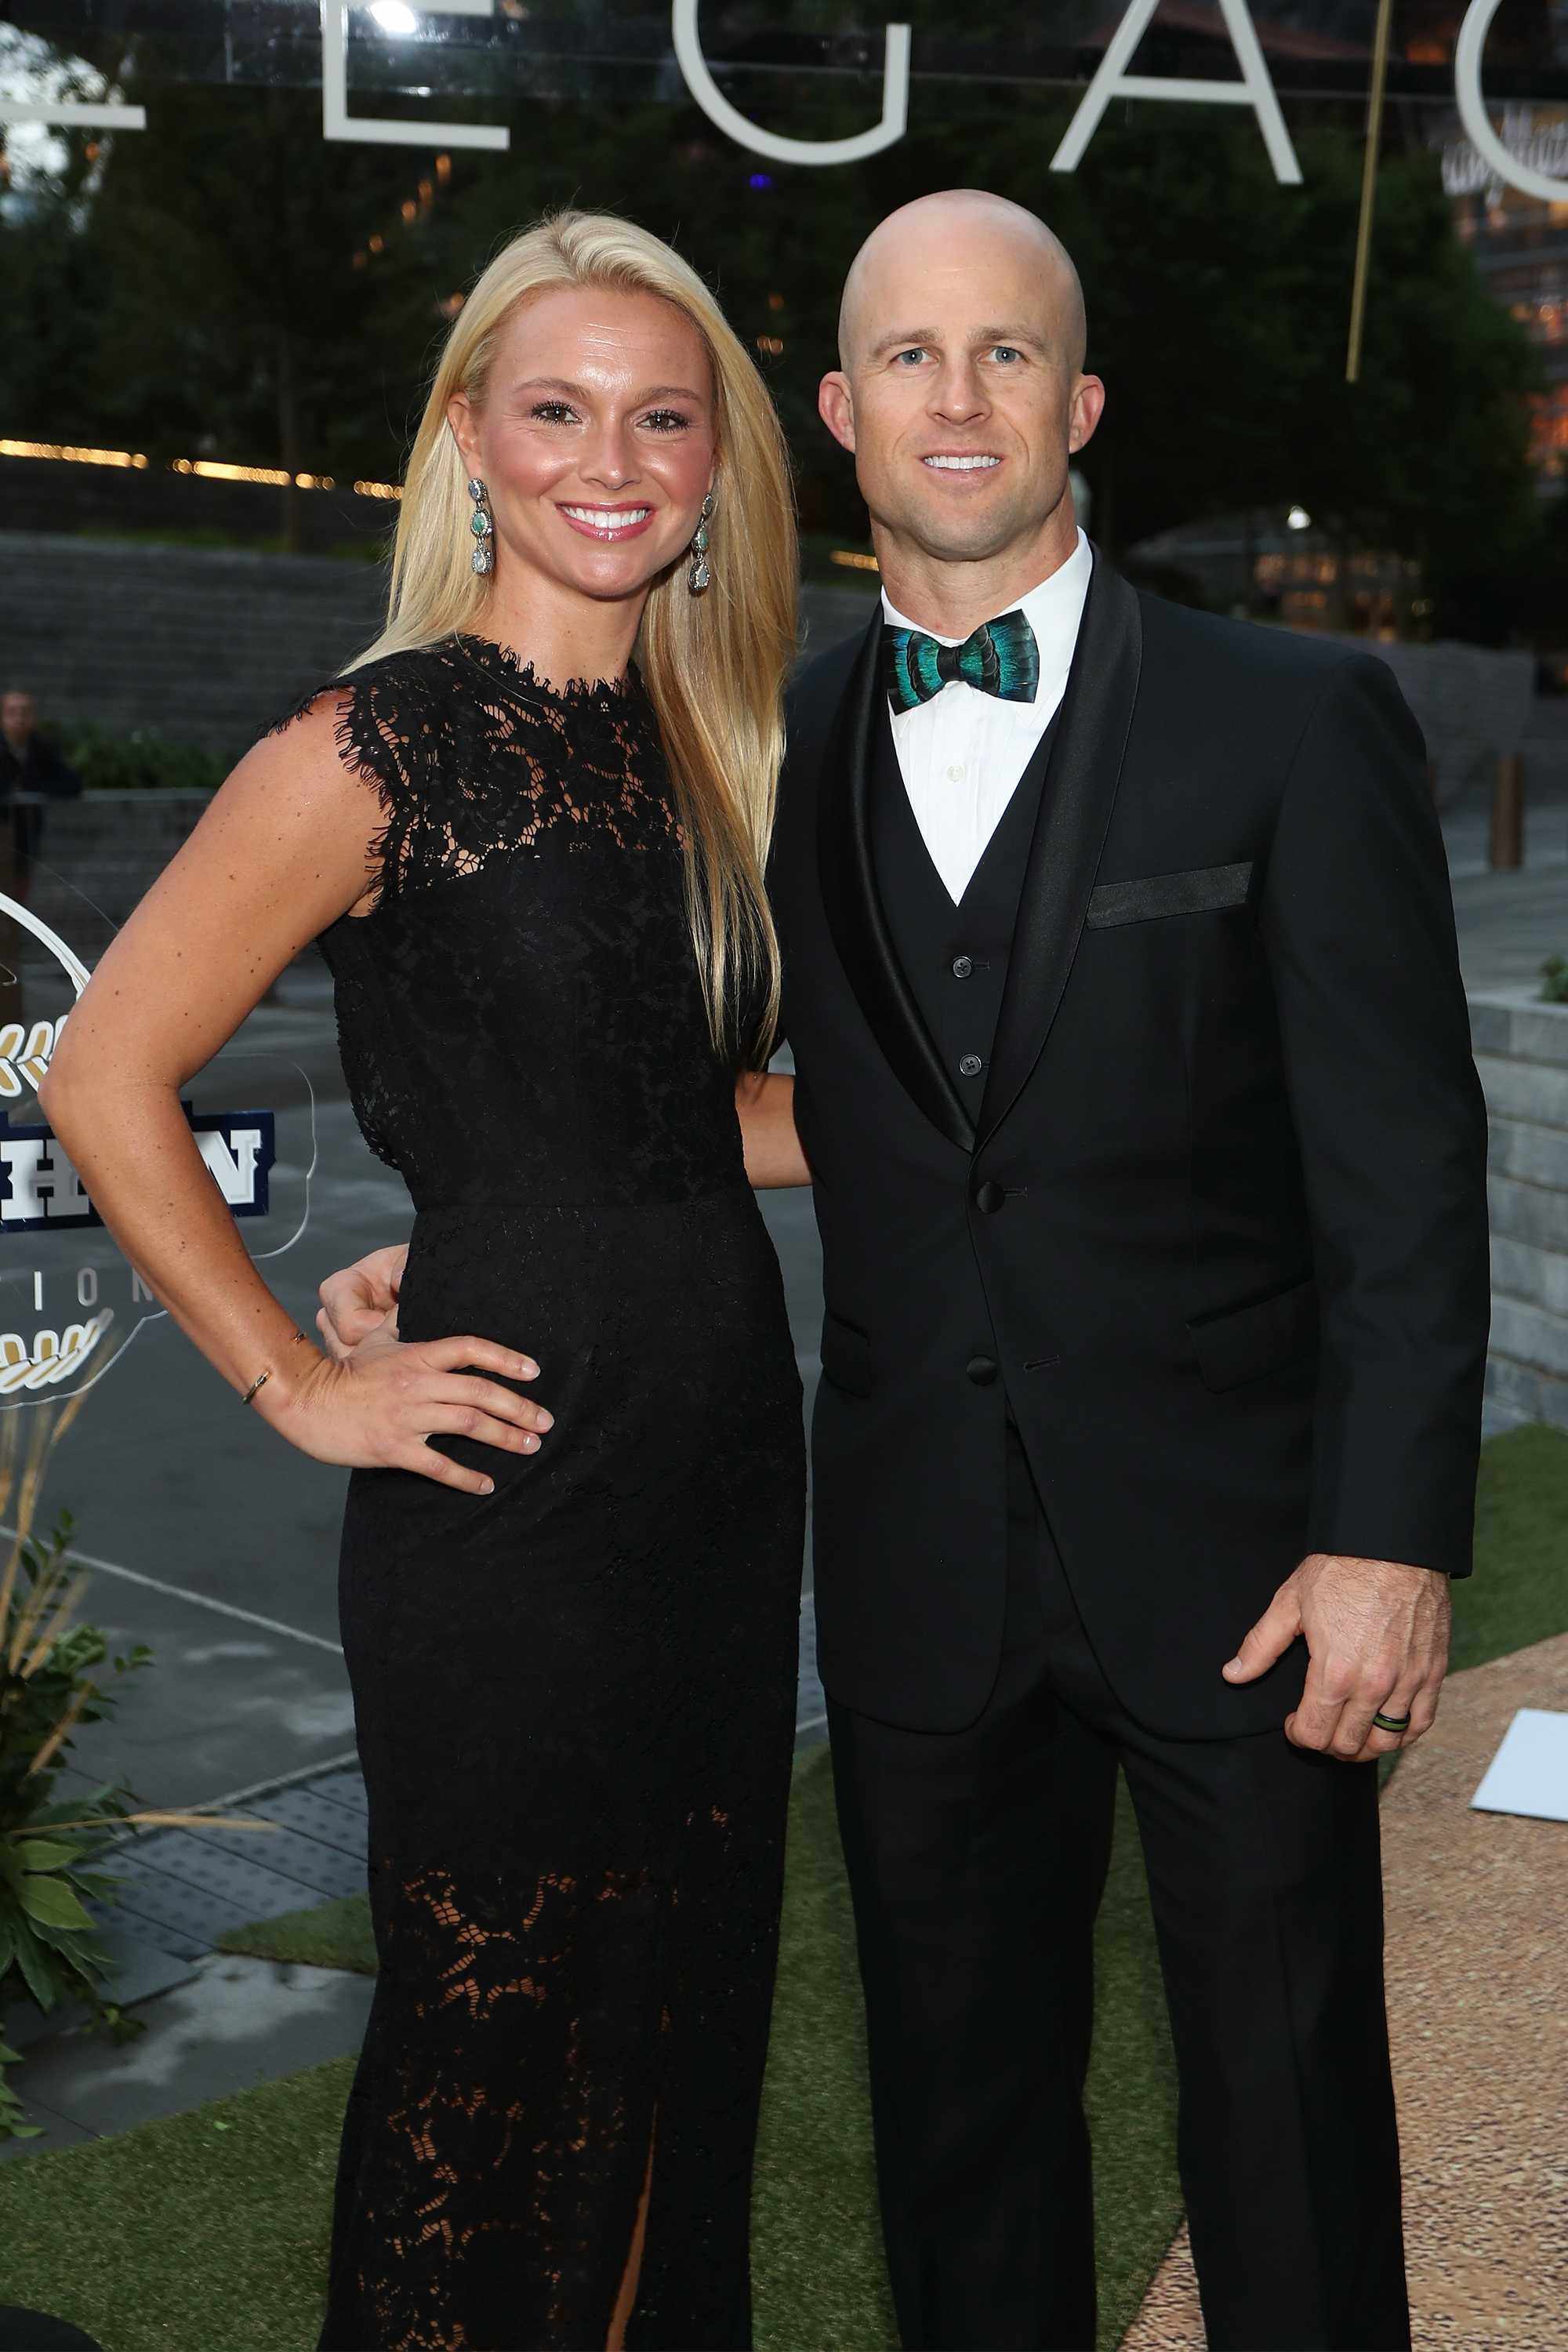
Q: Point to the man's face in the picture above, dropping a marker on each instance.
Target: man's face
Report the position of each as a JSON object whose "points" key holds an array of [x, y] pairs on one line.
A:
{"points": [[19, 716], [961, 397]]}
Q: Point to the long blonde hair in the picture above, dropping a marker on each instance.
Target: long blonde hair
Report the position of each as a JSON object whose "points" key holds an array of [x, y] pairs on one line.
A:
{"points": [[715, 664]]}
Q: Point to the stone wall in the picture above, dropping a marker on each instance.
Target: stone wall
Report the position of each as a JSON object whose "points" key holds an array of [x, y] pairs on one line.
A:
{"points": [[203, 645], [1521, 1052], [206, 646]]}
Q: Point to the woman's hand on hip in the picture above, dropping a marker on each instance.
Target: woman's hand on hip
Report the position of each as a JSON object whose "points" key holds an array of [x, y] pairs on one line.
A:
{"points": [[375, 1407]]}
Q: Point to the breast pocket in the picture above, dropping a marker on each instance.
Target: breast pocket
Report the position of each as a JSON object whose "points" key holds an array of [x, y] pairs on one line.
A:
{"points": [[1203, 890]]}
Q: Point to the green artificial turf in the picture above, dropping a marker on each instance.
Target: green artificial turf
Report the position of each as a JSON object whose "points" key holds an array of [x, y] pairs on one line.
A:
{"points": [[202, 2232], [1518, 1593], [206, 2233]]}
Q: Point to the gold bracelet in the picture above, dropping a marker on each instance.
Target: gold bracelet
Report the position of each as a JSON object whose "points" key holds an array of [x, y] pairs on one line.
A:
{"points": [[262, 1377]]}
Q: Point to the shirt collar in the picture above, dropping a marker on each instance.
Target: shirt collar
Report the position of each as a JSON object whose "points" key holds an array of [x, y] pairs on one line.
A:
{"points": [[1053, 611]]}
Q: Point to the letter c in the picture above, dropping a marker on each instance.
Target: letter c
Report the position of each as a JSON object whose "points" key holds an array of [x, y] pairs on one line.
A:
{"points": [[1467, 51]]}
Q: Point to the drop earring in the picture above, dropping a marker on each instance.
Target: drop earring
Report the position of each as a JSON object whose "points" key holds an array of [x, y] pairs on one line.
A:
{"points": [[701, 574], [482, 525]]}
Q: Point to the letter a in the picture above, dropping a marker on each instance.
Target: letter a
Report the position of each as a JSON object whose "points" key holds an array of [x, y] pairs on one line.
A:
{"points": [[1113, 80]]}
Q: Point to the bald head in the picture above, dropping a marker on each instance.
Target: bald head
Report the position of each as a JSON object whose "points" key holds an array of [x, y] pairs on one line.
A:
{"points": [[952, 228]]}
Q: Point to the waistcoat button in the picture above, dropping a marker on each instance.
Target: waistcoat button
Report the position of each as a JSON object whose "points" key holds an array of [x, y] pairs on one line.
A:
{"points": [[982, 1371], [989, 1197], [963, 966]]}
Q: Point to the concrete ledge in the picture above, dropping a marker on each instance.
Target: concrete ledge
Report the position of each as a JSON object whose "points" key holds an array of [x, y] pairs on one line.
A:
{"points": [[1533, 1394], [1533, 1092], [1538, 1155], [1532, 1213], [1539, 1276], [1515, 1024], [1532, 1336]]}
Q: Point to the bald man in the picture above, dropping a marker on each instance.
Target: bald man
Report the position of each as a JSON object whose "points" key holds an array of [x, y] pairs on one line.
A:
{"points": [[1133, 1071]]}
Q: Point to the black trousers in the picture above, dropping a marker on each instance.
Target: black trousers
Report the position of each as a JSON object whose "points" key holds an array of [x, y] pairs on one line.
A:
{"points": [[976, 1860]]}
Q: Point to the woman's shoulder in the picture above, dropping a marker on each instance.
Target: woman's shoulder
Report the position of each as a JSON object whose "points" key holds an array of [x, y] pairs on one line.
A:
{"points": [[410, 678]]}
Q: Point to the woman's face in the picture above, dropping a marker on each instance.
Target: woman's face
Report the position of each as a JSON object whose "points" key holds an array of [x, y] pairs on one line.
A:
{"points": [[595, 440]]}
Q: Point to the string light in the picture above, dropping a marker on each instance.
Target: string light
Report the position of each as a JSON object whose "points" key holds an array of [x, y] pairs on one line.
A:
{"points": [[773, 344], [65, 454], [275, 478], [852, 562]]}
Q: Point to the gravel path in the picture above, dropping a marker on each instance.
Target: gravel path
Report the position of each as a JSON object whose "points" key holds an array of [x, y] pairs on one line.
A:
{"points": [[1478, 1995]]}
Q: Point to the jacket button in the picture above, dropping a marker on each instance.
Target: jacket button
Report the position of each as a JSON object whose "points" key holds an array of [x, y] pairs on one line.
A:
{"points": [[963, 966], [982, 1371], [989, 1197], [969, 1066]]}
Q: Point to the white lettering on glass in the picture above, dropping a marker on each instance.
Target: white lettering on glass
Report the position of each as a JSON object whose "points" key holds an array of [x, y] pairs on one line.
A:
{"points": [[734, 123], [1255, 88], [1467, 53], [376, 130]]}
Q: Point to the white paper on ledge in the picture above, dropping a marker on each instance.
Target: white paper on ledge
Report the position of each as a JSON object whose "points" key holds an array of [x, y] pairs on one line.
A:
{"points": [[1529, 1774]]}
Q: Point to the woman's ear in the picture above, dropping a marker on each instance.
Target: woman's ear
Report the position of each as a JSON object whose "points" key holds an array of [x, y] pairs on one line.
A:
{"points": [[462, 421]]}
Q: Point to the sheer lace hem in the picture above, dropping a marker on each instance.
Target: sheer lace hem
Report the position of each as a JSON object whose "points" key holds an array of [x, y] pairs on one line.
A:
{"points": [[508, 2170]]}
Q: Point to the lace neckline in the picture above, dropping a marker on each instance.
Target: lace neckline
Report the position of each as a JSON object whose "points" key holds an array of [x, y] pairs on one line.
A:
{"points": [[519, 673]]}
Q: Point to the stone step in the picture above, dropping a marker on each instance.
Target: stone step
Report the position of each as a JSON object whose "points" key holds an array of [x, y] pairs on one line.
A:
{"points": [[1534, 1093], [1536, 1155], [1528, 1213], [1518, 1025]]}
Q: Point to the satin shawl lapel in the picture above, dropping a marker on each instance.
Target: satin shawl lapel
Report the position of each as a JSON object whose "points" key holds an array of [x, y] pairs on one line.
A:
{"points": [[1076, 802], [855, 914]]}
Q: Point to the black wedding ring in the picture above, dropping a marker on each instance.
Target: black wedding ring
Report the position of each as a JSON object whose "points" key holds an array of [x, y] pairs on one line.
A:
{"points": [[1391, 1723]]}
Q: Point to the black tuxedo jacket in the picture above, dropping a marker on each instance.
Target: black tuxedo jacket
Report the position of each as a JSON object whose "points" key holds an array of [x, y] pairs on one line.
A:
{"points": [[1217, 1238]]}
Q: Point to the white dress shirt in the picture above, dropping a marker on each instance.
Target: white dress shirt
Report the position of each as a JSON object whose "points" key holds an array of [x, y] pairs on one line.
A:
{"points": [[963, 754]]}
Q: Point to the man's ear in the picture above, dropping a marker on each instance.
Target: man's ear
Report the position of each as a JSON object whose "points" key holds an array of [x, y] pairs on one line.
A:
{"points": [[836, 406], [1088, 407]]}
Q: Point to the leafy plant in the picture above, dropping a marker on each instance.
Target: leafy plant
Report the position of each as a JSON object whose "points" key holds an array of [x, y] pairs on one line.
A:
{"points": [[50, 1846], [1555, 978], [141, 761]]}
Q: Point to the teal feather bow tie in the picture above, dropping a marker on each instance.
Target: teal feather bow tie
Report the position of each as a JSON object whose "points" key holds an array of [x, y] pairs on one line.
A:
{"points": [[1000, 658]]}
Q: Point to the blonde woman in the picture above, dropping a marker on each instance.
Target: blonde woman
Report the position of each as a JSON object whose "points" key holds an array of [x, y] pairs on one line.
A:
{"points": [[528, 827]]}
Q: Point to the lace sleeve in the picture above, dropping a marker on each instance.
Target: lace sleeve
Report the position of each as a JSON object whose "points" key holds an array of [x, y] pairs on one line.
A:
{"points": [[380, 738]]}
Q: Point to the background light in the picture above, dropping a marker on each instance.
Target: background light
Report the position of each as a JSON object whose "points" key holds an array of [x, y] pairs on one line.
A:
{"points": [[1299, 518], [393, 17]]}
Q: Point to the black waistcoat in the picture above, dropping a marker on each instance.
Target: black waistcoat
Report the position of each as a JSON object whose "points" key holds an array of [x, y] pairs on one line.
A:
{"points": [[954, 957]]}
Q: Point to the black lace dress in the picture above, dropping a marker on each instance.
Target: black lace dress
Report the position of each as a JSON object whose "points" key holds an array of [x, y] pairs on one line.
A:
{"points": [[575, 1696]]}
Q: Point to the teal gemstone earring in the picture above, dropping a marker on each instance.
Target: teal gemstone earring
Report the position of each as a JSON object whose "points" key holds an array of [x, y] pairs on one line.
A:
{"points": [[482, 526], [697, 578]]}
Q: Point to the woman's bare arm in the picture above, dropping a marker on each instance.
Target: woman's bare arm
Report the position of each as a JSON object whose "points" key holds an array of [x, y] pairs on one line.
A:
{"points": [[764, 1104], [280, 854]]}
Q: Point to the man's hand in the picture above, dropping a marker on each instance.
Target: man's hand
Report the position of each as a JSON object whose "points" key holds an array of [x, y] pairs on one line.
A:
{"points": [[1377, 1633], [360, 1299]]}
